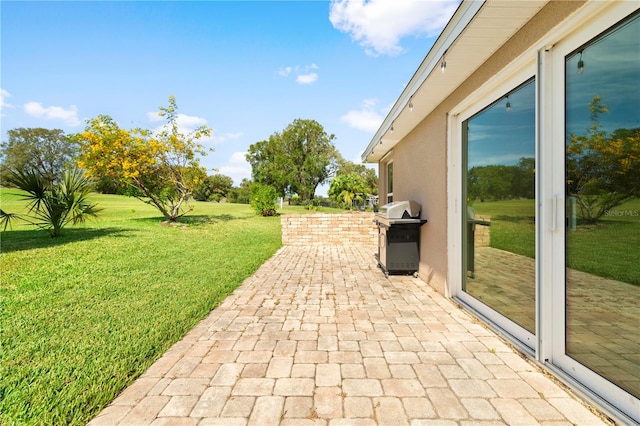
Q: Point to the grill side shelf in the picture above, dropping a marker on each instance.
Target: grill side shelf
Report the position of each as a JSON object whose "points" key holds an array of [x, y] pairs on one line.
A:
{"points": [[387, 223]]}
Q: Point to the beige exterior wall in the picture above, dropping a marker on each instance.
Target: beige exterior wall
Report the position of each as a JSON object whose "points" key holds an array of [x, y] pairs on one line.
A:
{"points": [[382, 182], [420, 159], [420, 174], [383, 179]]}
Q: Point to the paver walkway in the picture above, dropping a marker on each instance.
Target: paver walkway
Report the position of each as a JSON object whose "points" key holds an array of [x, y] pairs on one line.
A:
{"points": [[318, 336], [602, 314]]}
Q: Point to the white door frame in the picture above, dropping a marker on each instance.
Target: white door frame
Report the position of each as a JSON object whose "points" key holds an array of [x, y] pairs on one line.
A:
{"points": [[587, 24], [546, 61], [518, 72]]}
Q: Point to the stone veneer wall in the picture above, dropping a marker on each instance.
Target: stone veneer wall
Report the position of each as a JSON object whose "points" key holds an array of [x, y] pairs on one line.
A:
{"points": [[482, 234], [349, 228]]}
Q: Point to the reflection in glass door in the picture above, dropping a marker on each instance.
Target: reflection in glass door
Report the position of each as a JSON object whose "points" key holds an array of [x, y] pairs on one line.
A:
{"points": [[602, 167], [499, 189]]}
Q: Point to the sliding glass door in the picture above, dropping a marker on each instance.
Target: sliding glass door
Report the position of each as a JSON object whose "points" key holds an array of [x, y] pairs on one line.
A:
{"points": [[602, 193], [498, 229], [545, 240]]}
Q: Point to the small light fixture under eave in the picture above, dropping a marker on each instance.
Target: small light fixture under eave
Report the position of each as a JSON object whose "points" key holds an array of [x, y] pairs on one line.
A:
{"points": [[443, 63], [410, 103], [392, 126], [508, 106], [380, 141], [580, 64]]}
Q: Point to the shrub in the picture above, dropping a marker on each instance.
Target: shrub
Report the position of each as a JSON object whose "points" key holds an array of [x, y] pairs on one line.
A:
{"points": [[52, 205], [295, 200], [263, 199]]}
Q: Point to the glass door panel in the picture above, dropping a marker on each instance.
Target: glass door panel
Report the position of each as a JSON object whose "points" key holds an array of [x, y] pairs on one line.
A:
{"points": [[499, 189], [602, 166]]}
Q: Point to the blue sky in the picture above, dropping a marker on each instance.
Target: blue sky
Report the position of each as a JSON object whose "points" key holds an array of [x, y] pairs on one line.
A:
{"points": [[498, 136], [246, 69]]}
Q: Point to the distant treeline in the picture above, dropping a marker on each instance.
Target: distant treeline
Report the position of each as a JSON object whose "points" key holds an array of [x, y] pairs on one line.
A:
{"points": [[499, 182]]}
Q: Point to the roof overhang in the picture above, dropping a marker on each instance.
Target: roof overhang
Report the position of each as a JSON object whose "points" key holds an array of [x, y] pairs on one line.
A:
{"points": [[476, 31]]}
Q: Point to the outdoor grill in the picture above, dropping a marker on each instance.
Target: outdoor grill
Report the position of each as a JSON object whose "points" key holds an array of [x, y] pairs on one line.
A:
{"points": [[399, 237]]}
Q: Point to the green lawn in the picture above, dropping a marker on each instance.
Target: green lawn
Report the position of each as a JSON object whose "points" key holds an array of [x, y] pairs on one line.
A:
{"points": [[512, 225], [609, 249], [84, 314]]}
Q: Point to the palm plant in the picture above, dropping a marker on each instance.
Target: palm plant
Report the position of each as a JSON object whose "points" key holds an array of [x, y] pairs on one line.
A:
{"points": [[53, 205], [6, 218]]}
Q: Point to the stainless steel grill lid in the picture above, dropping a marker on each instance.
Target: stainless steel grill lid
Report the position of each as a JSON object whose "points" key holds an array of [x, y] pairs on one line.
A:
{"points": [[400, 210]]}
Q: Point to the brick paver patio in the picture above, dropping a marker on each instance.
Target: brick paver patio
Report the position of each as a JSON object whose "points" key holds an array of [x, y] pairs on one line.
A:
{"points": [[318, 336], [602, 314]]}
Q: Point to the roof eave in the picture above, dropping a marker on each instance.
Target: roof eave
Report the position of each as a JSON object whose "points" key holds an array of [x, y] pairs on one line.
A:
{"points": [[428, 87], [456, 25]]}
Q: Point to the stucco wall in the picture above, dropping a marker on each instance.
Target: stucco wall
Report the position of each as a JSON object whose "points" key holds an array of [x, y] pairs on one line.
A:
{"points": [[420, 174], [332, 229], [420, 159]]}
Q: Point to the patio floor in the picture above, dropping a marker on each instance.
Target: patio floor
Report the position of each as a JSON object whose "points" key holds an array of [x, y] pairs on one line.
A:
{"points": [[319, 336], [602, 314]]}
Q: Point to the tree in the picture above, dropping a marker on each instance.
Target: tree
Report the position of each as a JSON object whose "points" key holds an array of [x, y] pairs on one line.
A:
{"points": [[348, 187], [501, 182], [493, 182], [163, 168], [602, 171], [524, 178], [43, 151], [213, 188], [369, 175], [295, 161], [53, 203], [241, 194]]}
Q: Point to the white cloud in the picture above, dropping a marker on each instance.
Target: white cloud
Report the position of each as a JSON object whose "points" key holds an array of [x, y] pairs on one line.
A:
{"points": [[190, 121], [219, 139], [304, 74], [307, 78], [68, 115], [368, 118], [239, 158], [369, 103], [186, 125], [3, 96], [379, 25], [154, 116], [237, 168], [284, 72], [357, 159], [183, 120]]}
